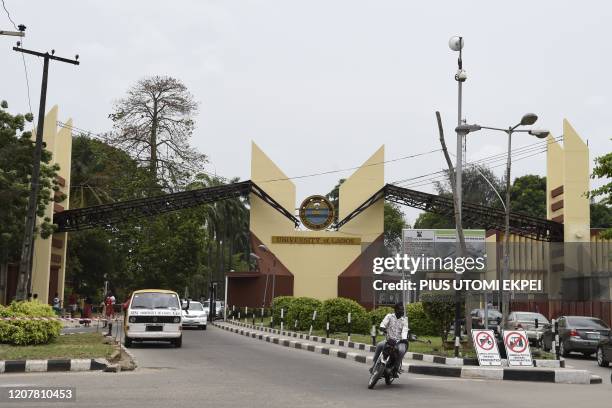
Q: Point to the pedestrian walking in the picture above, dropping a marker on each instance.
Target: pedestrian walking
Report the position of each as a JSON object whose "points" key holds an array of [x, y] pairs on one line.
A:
{"points": [[57, 307], [87, 311], [72, 303]]}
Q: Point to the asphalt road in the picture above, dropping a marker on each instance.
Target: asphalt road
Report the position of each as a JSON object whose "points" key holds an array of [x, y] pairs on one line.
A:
{"points": [[215, 368], [575, 360]]}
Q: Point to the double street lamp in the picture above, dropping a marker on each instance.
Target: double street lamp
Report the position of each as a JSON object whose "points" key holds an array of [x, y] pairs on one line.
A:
{"points": [[527, 120]]}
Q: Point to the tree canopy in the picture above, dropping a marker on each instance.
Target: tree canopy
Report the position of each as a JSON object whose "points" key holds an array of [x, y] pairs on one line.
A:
{"points": [[154, 123], [16, 153]]}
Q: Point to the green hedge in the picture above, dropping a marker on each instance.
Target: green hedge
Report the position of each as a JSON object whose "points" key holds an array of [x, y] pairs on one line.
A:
{"points": [[278, 303], [378, 314], [338, 308], [24, 332], [302, 308], [420, 324]]}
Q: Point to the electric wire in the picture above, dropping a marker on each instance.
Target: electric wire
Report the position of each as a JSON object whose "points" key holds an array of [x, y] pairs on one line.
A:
{"points": [[430, 178], [25, 67]]}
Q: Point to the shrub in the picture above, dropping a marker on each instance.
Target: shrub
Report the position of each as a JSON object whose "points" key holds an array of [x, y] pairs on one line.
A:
{"points": [[278, 303], [420, 324], [378, 315], [440, 310], [338, 308], [23, 332], [302, 308]]}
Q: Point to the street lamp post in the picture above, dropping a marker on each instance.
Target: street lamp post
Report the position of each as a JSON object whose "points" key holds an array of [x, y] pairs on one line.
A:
{"points": [[456, 44], [265, 249], [527, 119]]}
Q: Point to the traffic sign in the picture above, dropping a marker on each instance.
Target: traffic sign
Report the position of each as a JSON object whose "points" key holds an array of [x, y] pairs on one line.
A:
{"points": [[517, 348], [486, 347]]}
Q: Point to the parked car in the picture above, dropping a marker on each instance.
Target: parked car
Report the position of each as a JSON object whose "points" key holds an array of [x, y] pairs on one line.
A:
{"points": [[527, 321], [577, 333], [478, 318], [604, 350], [194, 315]]}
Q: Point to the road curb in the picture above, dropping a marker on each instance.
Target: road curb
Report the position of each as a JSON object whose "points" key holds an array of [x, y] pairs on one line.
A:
{"points": [[532, 374], [428, 358], [53, 365]]}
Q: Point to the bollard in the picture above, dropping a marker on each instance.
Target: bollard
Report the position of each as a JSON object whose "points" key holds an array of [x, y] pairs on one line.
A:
{"points": [[327, 326], [349, 327], [556, 332], [239, 315], [272, 317], [295, 323], [314, 317], [262, 315], [282, 319], [253, 317], [233, 312], [373, 331], [246, 314]]}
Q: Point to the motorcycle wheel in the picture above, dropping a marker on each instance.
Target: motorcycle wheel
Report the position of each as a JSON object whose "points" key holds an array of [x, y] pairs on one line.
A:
{"points": [[378, 371], [388, 378]]}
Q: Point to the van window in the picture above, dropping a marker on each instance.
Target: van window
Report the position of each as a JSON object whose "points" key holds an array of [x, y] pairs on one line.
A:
{"points": [[154, 300]]}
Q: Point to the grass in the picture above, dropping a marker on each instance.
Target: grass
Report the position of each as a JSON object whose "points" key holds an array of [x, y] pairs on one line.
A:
{"points": [[82, 345], [424, 345]]}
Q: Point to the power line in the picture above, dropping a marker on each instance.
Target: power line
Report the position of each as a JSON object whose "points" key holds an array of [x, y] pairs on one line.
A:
{"points": [[427, 183], [350, 168], [441, 174], [25, 67]]}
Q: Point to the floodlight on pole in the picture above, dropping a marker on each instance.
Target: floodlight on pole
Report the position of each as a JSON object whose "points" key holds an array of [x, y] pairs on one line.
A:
{"points": [[529, 119]]}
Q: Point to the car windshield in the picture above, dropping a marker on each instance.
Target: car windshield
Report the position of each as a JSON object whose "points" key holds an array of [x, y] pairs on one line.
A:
{"points": [[530, 317], [154, 300], [586, 323], [197, 306]]}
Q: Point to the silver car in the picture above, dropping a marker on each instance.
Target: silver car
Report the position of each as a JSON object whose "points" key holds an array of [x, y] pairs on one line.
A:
{"points": [[527, 321], [195, 315]]}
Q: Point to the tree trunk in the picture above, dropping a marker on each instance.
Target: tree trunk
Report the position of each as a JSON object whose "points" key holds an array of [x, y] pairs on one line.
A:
{"points": [[153, 142], [458, 224]]}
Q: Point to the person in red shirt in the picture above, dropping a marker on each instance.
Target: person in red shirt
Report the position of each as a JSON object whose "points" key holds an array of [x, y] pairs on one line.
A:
{"points": [[109, 303]]}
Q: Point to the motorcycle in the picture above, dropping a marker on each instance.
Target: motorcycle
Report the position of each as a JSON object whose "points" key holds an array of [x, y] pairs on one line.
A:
{"points": [[385, 364]]}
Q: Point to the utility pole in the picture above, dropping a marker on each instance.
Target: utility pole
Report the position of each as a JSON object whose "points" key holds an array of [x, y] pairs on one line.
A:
{"points": [[24, 280], [456, 44]]}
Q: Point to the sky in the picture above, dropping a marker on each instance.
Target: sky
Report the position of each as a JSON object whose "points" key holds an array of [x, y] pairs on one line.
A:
{"points": [[320, 85]]}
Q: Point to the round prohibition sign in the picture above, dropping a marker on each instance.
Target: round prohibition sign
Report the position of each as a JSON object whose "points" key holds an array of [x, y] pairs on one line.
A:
{"points": [[519, 344], [485, 341]]}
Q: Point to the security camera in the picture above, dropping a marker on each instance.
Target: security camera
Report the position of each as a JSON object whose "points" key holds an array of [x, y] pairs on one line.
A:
{"points": [[461, 75], [455, 43]]}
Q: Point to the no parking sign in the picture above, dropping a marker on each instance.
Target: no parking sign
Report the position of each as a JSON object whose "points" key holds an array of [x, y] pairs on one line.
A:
{"points": [[517, 348], [486, 347]]}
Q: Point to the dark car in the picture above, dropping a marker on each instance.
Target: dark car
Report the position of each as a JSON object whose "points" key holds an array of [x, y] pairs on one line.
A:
{"points": [[478, 318], [604, 351], [577, 334]]}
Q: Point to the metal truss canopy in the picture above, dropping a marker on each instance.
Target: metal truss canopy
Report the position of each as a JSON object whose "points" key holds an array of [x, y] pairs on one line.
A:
{"points": [[488, 217], [108, 215]]}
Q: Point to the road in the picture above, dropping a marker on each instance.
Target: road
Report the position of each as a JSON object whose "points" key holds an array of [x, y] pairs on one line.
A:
{"points": [[575, 360], [220, 369]]}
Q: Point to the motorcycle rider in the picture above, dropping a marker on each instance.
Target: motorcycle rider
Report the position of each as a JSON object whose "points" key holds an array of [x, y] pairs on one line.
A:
{"points": [[394, 326]]}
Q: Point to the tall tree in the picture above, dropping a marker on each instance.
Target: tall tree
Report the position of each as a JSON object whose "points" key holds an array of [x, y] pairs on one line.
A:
{"points": [[154, 123], [16, 152], [603, 170], [528, 195], [394, 223], [601, 216]]}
